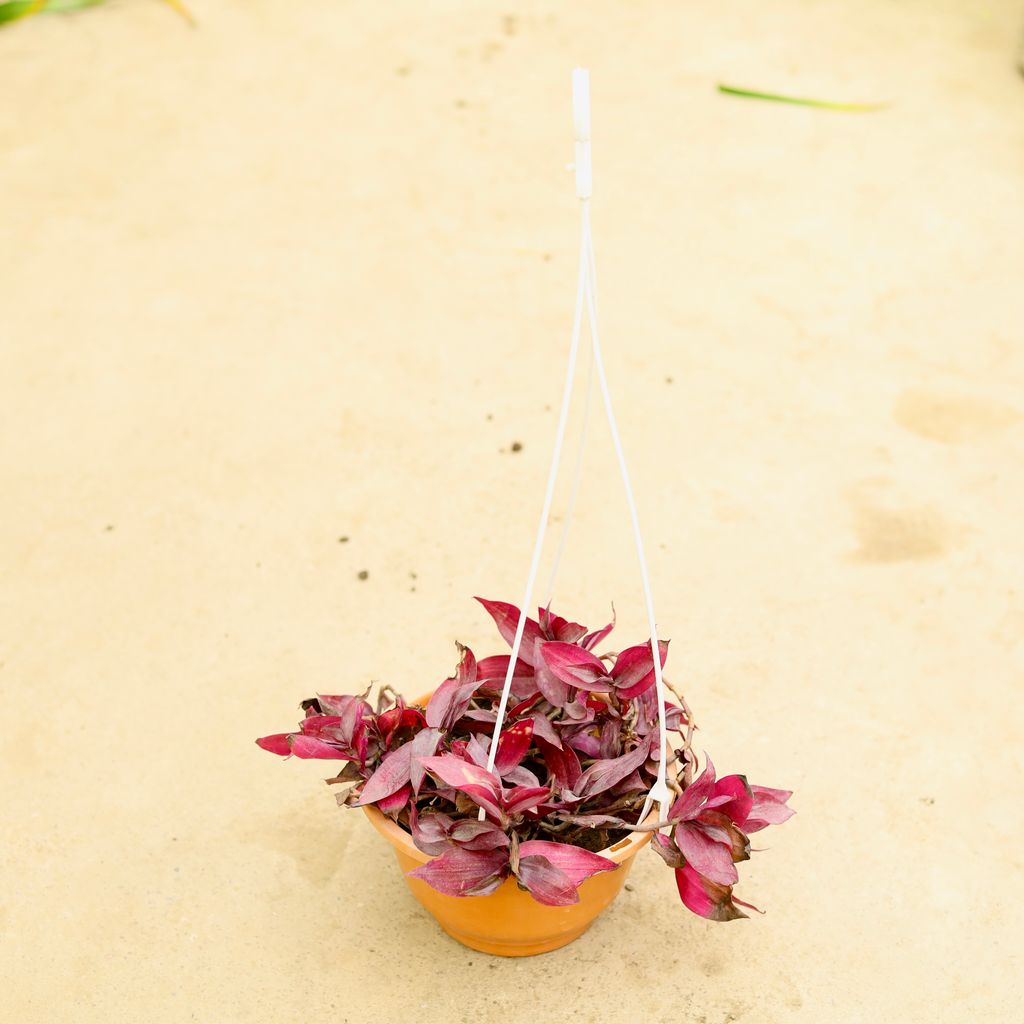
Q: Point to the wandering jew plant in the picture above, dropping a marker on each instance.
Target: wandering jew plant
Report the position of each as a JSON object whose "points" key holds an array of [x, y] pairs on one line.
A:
{"points": [[574, 762]]}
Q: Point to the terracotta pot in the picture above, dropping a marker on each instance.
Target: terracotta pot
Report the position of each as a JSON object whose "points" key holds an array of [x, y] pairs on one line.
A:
{"points": [[510, 922]]}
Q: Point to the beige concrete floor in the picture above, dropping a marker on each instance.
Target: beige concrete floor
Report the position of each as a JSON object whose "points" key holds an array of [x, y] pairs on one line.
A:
{"points": [[306, 272]]}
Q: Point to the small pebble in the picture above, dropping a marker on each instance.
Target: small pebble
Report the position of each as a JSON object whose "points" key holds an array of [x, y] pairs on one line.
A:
{"points": [[363, 574], [517, 447]]}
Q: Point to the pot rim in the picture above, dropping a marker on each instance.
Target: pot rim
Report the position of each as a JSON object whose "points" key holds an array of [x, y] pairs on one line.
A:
{"points": [[618, 852]]}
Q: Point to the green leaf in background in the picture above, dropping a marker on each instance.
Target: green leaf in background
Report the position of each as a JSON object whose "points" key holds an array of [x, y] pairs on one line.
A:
{"points": [[775, 97], [11, 10]]}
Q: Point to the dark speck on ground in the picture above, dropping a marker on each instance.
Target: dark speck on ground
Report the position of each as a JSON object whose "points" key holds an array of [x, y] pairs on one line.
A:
{"points": [[363, 574], [517, 446]]}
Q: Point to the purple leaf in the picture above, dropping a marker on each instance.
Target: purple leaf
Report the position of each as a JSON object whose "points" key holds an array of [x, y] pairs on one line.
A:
{"points": [[430, 832], [632, 783], [520, 776], [471, 834], [575, 667], [546, 883], [721, 827], [544, 730], [465, 872], [633, 670], [604, 774], [477, 752], [390, 776], [506, 618], [611, 738]]}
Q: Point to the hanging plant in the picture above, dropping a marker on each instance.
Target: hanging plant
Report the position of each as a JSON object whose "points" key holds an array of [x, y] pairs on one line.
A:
{"points": [[517, 794], [574, 763]]}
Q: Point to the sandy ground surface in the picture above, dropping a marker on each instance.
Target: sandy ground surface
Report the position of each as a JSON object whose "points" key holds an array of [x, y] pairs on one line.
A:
{"points": [[305, 272]]}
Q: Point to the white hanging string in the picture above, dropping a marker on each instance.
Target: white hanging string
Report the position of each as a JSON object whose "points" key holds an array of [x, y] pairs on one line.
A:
{"points": [[659, 792], [556, 458], [577, 474], [586, 295]]}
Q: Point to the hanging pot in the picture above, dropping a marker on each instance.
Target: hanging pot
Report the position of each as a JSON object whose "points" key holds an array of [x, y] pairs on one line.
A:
{"points": [[510, 922]]}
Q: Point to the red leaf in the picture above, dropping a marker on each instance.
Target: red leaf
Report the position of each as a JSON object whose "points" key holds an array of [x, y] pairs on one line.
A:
{"points": [[465, 872], [480, 785], [741, 799], [546, 883], [524, 705], [471, 834], [422, 745], [666, 850], [429, 833], [562, 762], [513, 744], [391, 775], [705, 898], [314, 724], [554, 627], [633, 670], [553, 690], [506, 618], [452, 697], [575, 666], [276, 744], [544, 730], [706, 855], [591, 640], [721, 827], [398, 718], [577, 864], [688, 805], [311, 747], [524, 798], [769, 808], [395, 802]]}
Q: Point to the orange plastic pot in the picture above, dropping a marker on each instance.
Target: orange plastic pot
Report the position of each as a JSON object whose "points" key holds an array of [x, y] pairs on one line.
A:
{"points": [[510, 922]]}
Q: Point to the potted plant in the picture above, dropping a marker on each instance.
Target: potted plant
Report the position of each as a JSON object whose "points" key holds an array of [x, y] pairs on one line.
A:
{"points": [[521, 859]]}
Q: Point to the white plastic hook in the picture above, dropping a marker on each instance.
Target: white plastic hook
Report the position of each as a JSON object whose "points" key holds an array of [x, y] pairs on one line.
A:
{"points": [[581, 123]]}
